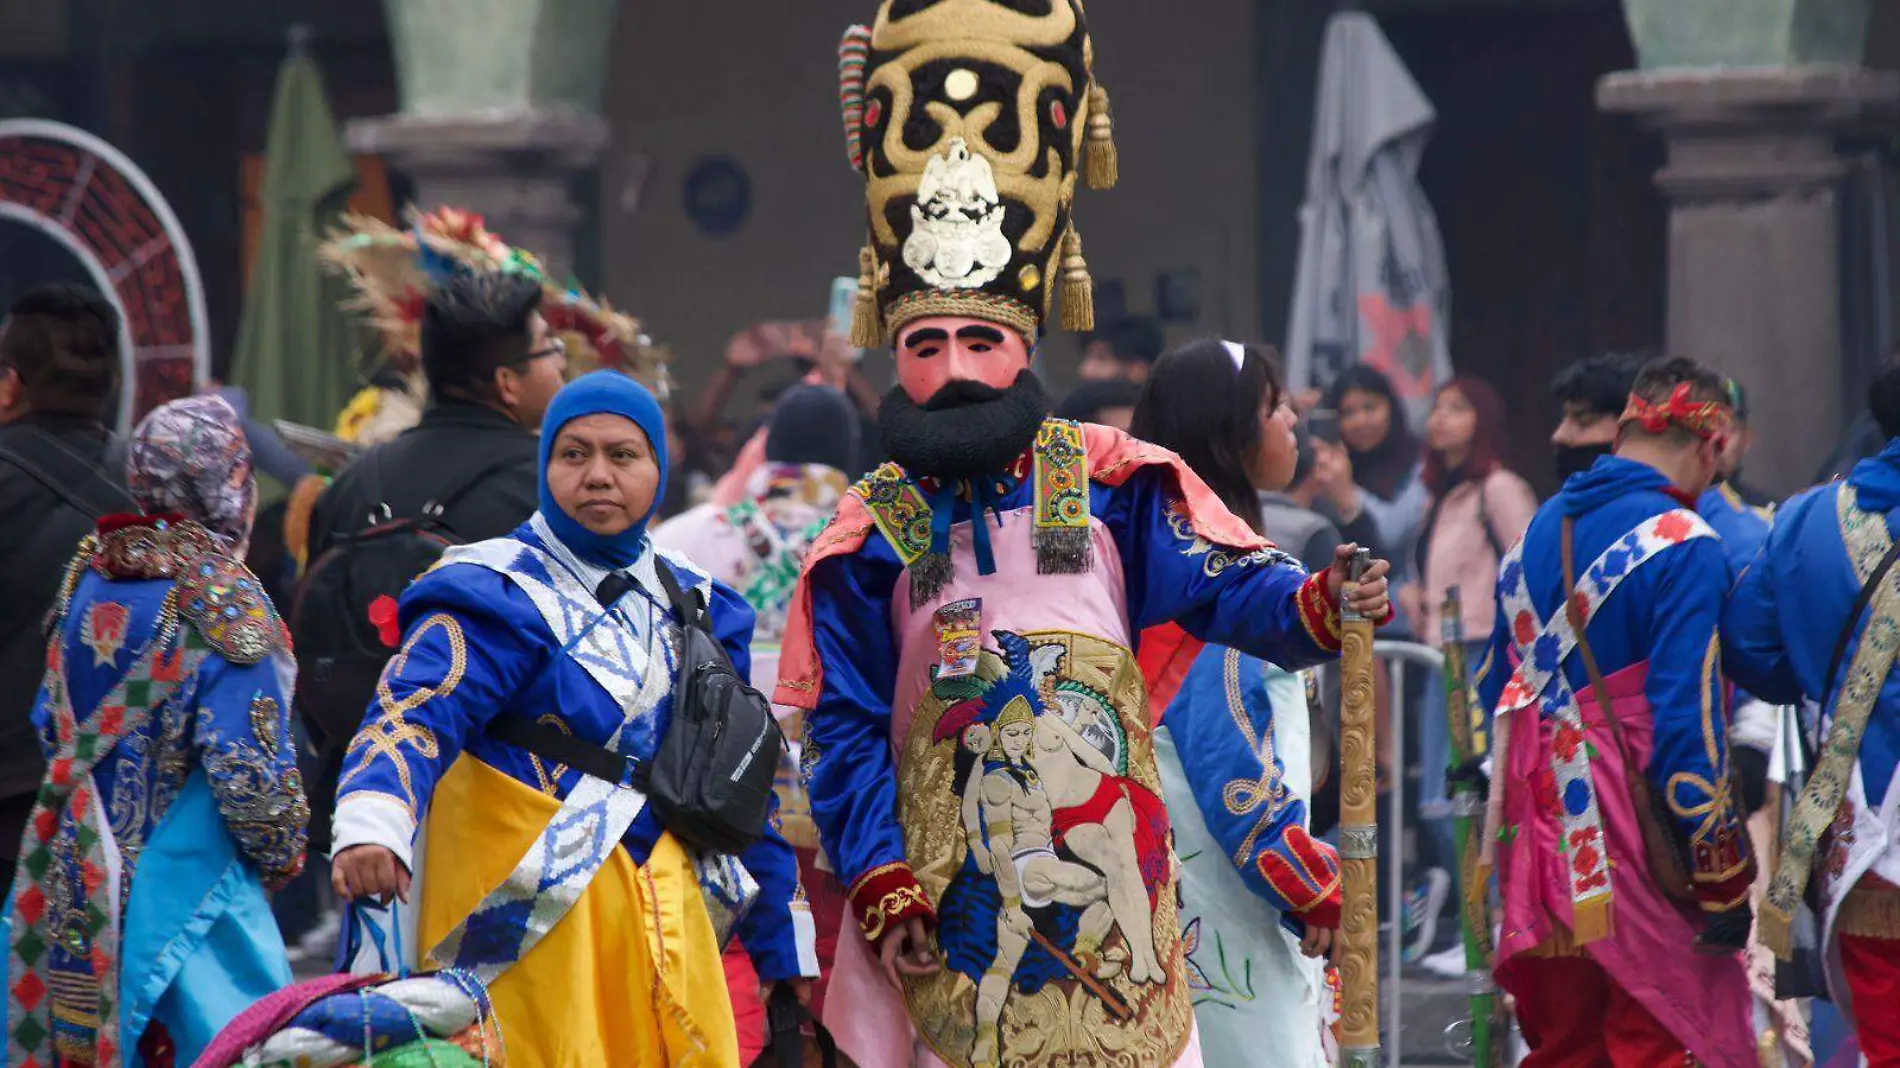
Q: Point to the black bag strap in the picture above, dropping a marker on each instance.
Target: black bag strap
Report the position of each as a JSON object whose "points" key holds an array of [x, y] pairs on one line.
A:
{"points": [[785, 1021], [692, 612], [556, 746], [76, 497], [1866, 597]]}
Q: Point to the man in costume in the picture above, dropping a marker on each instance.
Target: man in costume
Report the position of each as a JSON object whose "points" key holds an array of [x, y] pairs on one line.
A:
{"points": [[966, 624], [597, 931], [1815, 616], [138, 922], [1622, 863]]}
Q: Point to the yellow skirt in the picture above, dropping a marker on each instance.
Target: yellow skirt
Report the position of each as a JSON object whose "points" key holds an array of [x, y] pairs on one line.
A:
{"points": [[631, 976]]}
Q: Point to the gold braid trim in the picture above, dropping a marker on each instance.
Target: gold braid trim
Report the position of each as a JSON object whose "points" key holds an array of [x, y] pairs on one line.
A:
{"points": [[973, 303]]}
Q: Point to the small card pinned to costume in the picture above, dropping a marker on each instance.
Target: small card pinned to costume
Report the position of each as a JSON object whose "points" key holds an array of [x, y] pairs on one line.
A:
{"points": [[959, 637], [104, 631]]}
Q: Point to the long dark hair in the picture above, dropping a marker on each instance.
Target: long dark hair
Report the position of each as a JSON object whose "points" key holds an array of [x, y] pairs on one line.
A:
{"points": [[1382, 469], [1487, 438], [1197, 403]]}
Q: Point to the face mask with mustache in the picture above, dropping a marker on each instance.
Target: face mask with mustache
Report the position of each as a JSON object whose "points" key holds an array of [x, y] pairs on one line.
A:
{"points": [[965, 430]]}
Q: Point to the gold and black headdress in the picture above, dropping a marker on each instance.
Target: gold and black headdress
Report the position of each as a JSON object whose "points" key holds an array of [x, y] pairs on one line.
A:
{"points": [[970, 121]]}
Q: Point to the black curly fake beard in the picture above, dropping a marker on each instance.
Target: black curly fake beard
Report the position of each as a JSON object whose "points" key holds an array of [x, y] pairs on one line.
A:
{"points": [[965, 430]]}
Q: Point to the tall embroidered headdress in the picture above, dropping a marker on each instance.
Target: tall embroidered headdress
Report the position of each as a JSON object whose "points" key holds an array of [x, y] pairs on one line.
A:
{"points": [[971, 121]]}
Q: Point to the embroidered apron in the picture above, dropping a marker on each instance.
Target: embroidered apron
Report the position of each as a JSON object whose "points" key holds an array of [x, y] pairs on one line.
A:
{"points": [[67, 894], [1031, 811], [552, 875]]}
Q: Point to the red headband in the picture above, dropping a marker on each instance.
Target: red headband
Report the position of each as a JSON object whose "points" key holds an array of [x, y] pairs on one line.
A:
{"points": [[1705, 420]]}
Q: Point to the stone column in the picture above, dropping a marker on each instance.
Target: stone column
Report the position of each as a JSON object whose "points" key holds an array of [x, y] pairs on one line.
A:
{"points": [[1753, 111], [500, 102]]}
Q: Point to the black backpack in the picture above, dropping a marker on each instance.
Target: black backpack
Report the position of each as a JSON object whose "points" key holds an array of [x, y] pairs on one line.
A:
{"points": [[340, 651]]}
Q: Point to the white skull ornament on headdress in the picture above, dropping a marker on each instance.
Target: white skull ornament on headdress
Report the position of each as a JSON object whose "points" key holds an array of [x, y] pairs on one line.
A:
{"points": [[956, 239]]}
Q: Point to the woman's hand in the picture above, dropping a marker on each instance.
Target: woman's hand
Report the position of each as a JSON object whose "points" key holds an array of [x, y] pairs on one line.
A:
{"points": [[905, 950], [369, 871], [1319, 942], [1332, 473], [1366, 596]]}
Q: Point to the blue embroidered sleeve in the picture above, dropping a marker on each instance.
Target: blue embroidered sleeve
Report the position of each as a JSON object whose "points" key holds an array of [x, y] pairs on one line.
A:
{"points": [[242, 731], [848, 770], [1222, 725], [1258, 602], [1688, 705], [470, 640]]}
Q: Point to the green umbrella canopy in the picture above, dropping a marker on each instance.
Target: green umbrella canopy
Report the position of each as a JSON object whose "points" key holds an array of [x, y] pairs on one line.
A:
{"points": [[296, 350]]}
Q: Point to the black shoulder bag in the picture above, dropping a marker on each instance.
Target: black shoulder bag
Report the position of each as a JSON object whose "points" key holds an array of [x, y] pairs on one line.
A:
{"points": [[711, 780]]}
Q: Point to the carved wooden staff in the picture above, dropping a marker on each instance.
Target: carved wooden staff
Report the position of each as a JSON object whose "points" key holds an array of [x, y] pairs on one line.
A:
{"points": [[1358, 839], [1467, 806]]}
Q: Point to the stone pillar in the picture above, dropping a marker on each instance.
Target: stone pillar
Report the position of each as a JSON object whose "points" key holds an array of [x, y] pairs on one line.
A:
{"points": [[1752, 111], [500, 102]]}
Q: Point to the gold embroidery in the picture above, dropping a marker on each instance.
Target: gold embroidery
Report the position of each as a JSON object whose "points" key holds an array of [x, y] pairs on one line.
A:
{"points": [[888, 907], [1713, 809], [387, 733], [550, 780], [264, 724], [1244, 795], [1870, 912]]}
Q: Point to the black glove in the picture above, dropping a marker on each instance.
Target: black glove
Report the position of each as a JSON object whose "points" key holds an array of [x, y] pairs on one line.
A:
{"points": [[1726, 932], [1470, 773]]}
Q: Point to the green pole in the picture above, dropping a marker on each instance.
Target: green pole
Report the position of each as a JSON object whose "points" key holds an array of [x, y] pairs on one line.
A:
{"points": [[1467, 807]]}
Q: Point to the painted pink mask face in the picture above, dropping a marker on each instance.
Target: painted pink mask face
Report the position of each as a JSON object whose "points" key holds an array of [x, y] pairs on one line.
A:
{"points": [[934, 352]]}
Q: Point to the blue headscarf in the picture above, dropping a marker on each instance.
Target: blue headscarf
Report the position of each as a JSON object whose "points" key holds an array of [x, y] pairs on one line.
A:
{"points": [[612, 393]]}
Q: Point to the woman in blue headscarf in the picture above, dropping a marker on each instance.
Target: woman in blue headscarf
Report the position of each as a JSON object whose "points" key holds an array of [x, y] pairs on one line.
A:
{"points": [[597, 932]]}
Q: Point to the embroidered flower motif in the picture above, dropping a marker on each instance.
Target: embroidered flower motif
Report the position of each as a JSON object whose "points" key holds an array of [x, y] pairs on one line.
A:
{"points": [[1544, 791], [1576, 797], [1545, 653], [382, 616], [1673, 527], [1524, 628], [1567, 741]]}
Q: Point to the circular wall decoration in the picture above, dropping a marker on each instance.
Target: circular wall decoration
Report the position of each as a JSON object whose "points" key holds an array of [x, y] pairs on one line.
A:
{"points": [[718, 195], [89, 197]]}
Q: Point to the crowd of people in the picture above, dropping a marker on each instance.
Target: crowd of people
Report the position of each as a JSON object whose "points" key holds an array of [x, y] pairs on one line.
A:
{"points": [[963, 724]]}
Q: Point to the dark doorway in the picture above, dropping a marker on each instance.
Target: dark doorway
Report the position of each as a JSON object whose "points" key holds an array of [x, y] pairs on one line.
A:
{"points": [[1554, 232]]}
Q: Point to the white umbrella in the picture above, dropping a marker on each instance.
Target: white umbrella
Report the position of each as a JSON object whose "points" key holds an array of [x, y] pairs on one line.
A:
{"points": [[1371, 286]]}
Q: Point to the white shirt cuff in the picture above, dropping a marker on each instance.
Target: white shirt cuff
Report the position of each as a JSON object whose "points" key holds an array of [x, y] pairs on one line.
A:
{"points": [[374, 819]]}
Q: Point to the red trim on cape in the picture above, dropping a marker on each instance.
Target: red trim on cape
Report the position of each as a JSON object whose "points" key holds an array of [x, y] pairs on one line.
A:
{"points": [[1166, 654], [1113, 458]]}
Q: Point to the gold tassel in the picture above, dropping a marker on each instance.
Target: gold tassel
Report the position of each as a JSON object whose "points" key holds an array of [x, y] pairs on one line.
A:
{"points": [[867, 330], [1101, 164], [1078, 290]]}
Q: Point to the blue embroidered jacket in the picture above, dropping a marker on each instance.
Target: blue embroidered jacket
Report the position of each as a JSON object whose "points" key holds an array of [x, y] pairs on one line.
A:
{"points": [[1222, 724], [1260, 603], [476, 647], [1743, 527], [1786, 614], [1666, 613]]}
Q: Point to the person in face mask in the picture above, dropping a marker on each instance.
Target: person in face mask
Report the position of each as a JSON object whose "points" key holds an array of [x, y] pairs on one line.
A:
{"points": [[1592, 392], [563, 627]]}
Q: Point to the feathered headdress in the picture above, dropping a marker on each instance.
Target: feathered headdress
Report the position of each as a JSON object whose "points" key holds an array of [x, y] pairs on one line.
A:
{"points": [[392, 271]]}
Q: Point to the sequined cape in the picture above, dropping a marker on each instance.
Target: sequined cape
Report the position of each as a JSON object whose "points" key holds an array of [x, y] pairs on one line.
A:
{"points": [[475, 648], [203, 798]]}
